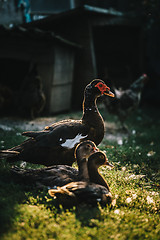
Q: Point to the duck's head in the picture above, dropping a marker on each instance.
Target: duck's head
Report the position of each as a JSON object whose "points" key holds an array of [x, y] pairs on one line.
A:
{"points": [[98, 159], [98, 88], [85, 149]]}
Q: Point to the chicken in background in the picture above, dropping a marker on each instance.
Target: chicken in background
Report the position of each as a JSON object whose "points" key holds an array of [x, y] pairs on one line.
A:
{"points": [[31, 99], [126, 101], [6, 99]]}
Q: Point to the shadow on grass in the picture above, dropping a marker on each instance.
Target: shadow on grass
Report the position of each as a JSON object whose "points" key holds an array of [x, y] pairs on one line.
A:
{"points": [[11, 194], [83, 212], [14, 193]]}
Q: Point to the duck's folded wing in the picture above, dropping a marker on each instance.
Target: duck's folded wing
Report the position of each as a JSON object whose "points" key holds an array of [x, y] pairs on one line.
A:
{"points": [[34, 134], [65, 135], [57, 175], [47, 129]]}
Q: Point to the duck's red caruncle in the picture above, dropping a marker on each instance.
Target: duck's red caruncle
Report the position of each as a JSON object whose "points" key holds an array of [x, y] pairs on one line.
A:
{"points": [[102, 87]]}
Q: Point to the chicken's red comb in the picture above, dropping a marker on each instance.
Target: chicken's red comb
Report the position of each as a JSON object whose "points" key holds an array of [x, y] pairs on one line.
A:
{"points": [[144, 75]]}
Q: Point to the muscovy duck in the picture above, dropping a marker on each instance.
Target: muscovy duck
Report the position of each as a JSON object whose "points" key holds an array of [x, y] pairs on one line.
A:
{"points": [[57, 175], [56, 143], [126, 101], [85, 191]]}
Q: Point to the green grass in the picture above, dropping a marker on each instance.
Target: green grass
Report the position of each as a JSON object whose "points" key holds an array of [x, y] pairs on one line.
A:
{"points": [[134, 182]]}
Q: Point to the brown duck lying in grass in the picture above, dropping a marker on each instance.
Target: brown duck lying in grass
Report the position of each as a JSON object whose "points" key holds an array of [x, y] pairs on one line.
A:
{"points": [[86, 191], [55, 144], [57, 175]]}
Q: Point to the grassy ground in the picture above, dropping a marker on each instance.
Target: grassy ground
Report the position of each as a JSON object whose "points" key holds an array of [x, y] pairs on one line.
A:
{"points": [[29, 214]]}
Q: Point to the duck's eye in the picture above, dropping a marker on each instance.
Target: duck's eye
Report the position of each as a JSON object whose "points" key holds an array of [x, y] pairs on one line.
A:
{"points": [[88, 146], [101, 157], [100, 85]]}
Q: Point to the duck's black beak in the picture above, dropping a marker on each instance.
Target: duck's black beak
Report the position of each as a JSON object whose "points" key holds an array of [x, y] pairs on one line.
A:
{"points": [[108, 164], [109, 93]]}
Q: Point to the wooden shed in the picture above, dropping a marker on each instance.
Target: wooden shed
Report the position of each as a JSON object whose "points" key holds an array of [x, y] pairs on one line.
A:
{"points": [[21, 48], [112, 45]]}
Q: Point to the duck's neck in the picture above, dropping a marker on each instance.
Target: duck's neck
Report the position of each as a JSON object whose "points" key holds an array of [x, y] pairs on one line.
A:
{"points": [[95, 176], [93, 119], [83, 170], [90, 110]]}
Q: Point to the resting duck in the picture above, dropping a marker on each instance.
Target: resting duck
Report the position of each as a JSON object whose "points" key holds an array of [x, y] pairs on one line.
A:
{"points": [[58, 175], [94, 162], [86, 191], [56, 143]]}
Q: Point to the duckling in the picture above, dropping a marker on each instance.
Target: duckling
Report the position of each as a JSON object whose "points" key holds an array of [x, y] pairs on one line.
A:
{"points": [[55, 144], [94, 162], [86, 191], [58, 175]]}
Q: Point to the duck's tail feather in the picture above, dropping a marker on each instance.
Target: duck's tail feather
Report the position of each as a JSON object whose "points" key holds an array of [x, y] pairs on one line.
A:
{"points": [[33, 134], [29, 173], [8, 154], [23, 174], [17, 170]]}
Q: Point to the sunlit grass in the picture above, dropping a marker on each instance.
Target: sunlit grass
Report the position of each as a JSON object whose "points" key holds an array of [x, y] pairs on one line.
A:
{"points": [[134, 182]]}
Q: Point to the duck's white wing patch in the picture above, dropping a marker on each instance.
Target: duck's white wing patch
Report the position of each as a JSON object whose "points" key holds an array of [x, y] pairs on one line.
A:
{"points": [[70, 143]]}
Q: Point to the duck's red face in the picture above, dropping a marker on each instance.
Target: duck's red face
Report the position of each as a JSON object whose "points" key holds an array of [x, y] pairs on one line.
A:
{"points": [[104, 89]]}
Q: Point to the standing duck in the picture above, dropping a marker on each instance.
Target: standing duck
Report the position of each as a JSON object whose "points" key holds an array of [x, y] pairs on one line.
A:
{"points": [[86, 191], [56, 143], [58, 175]]}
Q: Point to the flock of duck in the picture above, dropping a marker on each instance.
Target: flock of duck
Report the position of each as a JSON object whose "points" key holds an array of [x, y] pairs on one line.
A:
{"points": [[61, 144]]}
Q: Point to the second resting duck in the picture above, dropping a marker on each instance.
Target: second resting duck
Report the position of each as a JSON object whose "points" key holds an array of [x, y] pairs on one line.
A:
{"points": [[57, 175], [56, 143], [86, 191]]}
